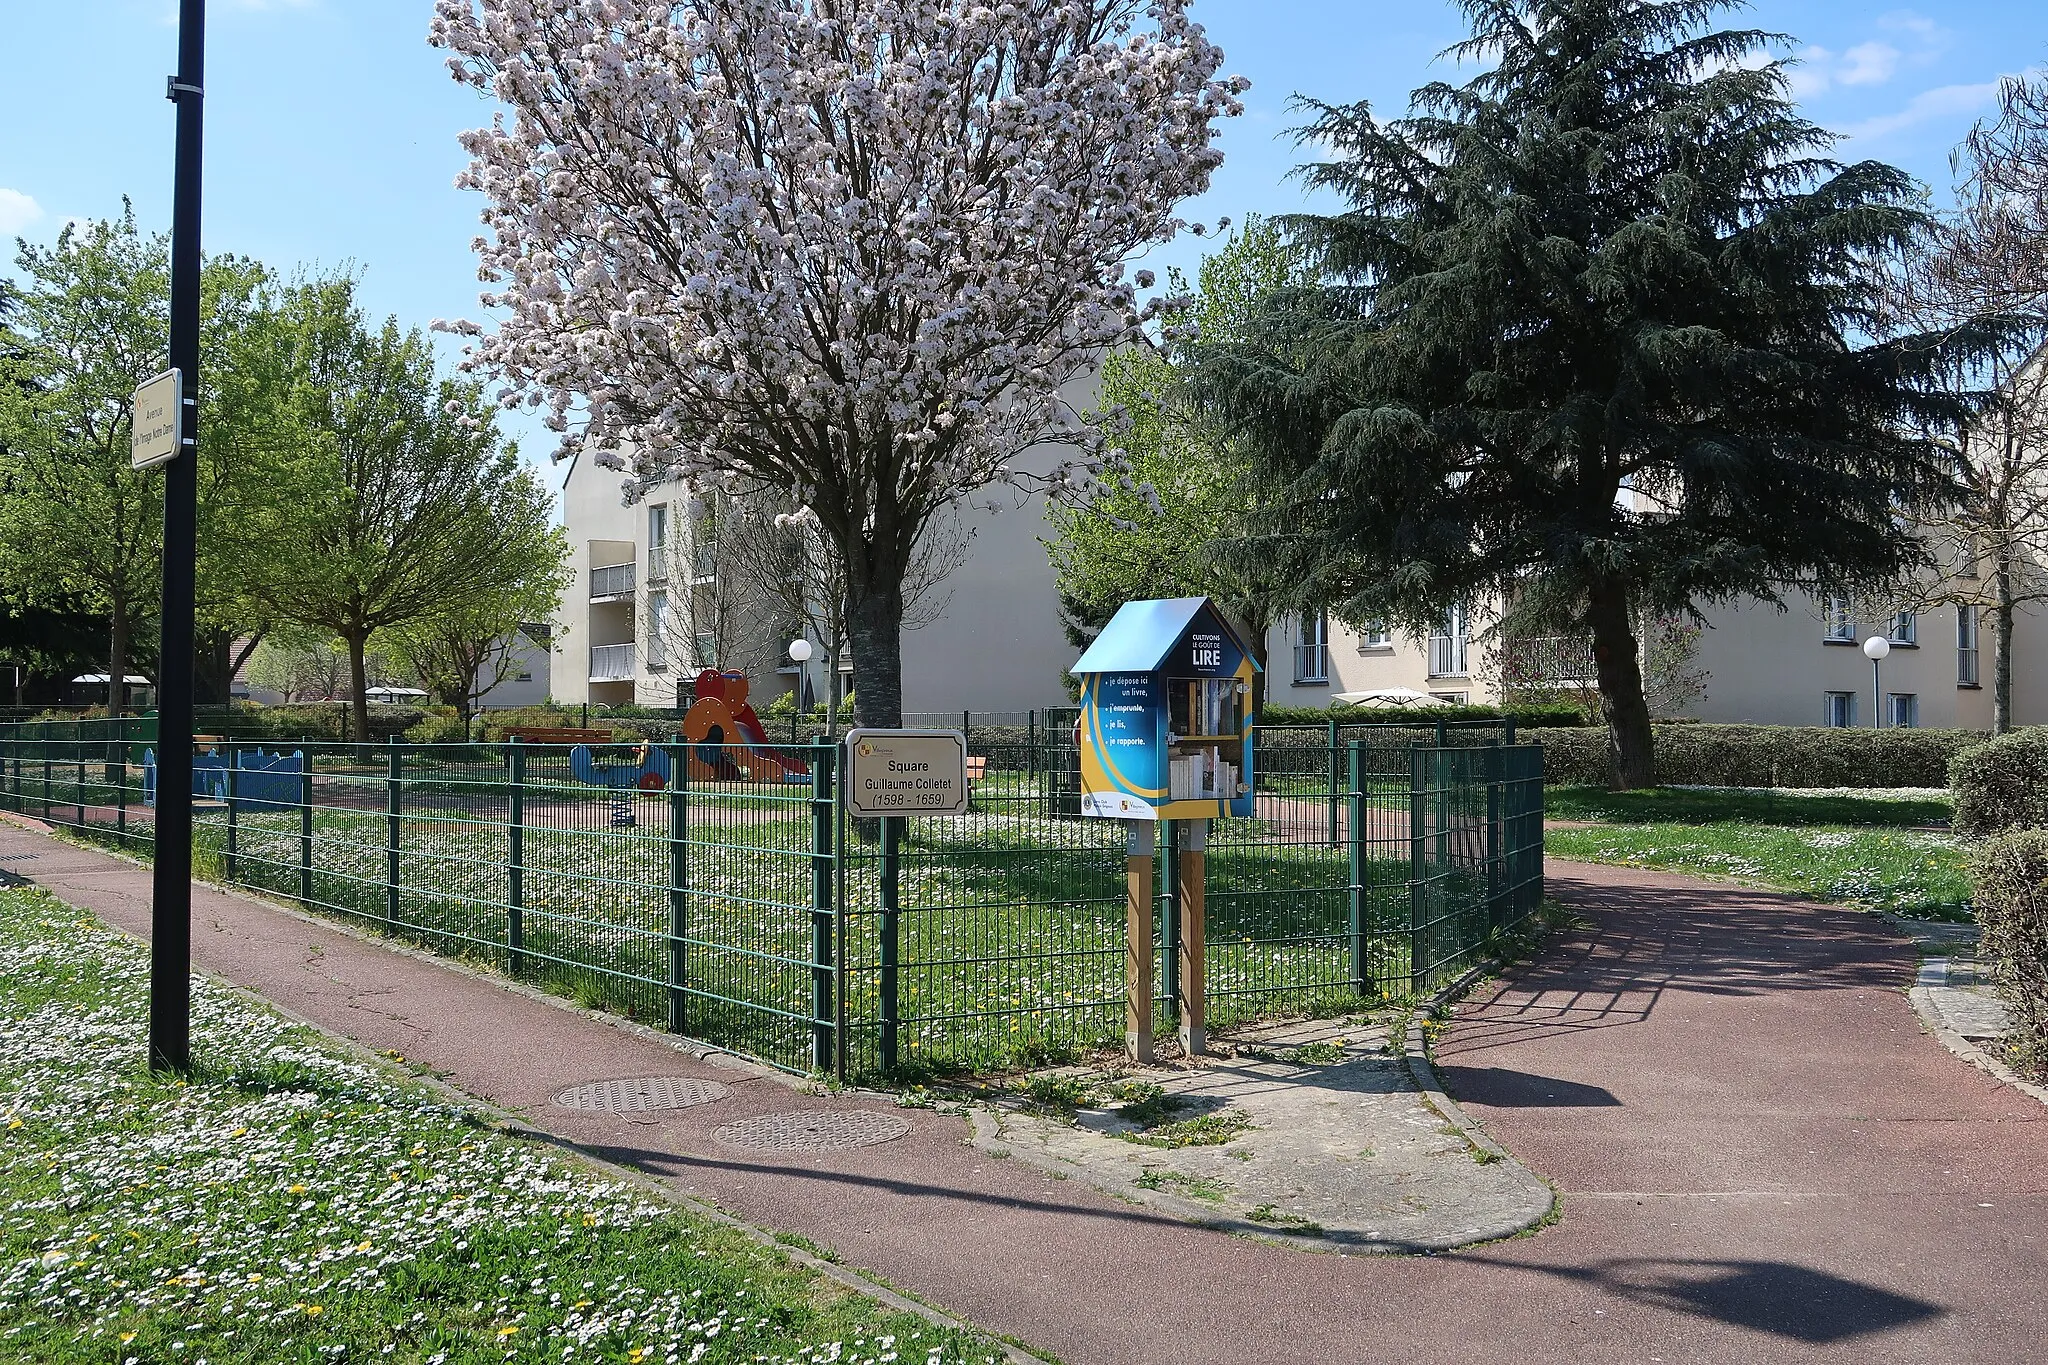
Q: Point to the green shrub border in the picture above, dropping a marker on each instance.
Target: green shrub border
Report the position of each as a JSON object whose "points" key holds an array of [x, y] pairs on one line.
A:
{"points": [[2011, 875]]}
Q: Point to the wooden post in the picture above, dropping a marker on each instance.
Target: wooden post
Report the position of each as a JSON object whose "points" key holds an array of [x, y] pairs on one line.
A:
{"points": [[1193, 1011], [1138, 940]]}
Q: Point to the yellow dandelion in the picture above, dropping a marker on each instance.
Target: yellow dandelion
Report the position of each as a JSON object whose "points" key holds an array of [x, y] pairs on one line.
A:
{"points": [[582, 1303], [12, 1124], [295, 1189], [127, 1337], [504, 1332], [362, 1246], [239, 1132]]}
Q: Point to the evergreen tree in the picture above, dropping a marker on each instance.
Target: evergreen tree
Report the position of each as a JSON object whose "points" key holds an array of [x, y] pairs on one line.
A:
{"points": [[1599, 332]]}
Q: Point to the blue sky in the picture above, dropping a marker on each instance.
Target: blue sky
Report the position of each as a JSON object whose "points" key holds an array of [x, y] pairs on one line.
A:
{"points": [[331, 124]]}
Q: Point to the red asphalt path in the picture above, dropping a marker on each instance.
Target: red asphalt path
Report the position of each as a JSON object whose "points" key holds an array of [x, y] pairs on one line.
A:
{"points": [[1762, 1156]]}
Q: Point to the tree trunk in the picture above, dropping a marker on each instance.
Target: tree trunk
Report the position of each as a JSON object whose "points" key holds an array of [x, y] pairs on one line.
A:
{"points": [[1617, 663], [117, 659], [874, 625], [2001, 659], [213, 681], [359, 684]]}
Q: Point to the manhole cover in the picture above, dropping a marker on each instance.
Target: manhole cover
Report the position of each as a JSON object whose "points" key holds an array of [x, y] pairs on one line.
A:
{"points": [[816, 1130], [641, 1093]]}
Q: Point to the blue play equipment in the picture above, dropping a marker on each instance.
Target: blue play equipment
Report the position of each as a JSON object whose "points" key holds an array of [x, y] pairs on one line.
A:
{"points": [[622, 770], [263, 781]]}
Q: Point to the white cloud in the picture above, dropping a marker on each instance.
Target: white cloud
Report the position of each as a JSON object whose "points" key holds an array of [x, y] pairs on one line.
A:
{"points": [[1869, 63], [1942, 102], [17, 211]]}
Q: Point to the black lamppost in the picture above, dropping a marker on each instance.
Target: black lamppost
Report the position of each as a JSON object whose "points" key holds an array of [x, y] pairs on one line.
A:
{"points": [[170, 960]]}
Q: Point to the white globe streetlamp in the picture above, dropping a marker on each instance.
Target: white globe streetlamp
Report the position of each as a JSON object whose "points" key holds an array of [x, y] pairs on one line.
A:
{"points": [[800, 650], [800, 654], [1874, 649]]}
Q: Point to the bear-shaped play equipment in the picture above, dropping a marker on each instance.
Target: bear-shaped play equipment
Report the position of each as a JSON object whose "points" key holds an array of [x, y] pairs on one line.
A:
{"points": [[623, 769], [724, 737]]}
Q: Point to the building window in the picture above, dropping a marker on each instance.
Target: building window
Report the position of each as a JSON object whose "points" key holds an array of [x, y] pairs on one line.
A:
{"points": [[707, 650], [657, 541], [1447, 646], [1452, 698], [1375, 636], [657, 631], [1966, 646], [1841, 710], [1312, 655], [1902, 710], [522, 677], [1904, 629], [1841, 625]]}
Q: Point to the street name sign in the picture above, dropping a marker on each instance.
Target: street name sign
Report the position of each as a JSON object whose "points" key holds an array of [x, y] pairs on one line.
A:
{"points": [[906, 772], [158, 421]]}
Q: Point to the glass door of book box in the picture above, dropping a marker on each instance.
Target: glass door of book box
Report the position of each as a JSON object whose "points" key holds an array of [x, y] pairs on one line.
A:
{"points": [[1206, 751]]}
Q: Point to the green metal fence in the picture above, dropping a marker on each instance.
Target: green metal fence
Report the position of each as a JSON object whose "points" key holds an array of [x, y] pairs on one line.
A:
{"points": [[758, 916]]}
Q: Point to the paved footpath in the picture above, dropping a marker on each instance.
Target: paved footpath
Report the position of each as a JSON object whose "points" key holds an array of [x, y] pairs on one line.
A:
{"points": [[1762, 1156]]}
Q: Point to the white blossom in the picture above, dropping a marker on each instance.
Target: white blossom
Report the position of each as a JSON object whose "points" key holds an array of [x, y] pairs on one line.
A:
{"points": [[850, 251]]}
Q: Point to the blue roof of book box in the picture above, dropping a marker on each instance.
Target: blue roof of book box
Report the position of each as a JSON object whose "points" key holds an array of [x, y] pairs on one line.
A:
{"points": [[1141, 635]]}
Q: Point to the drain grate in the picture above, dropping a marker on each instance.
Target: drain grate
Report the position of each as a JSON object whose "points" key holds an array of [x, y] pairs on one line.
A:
{"points": [[639, 1093], [816, 1130]]}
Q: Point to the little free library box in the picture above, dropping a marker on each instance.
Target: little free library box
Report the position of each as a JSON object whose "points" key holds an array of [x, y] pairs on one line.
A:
{"points": [[1166, 721]]}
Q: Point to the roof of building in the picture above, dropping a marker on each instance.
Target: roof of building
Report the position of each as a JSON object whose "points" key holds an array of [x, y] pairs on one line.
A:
{"points": [[1142, 634]]}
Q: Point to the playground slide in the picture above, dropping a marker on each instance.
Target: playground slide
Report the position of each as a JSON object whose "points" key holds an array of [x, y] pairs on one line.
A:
{"points": [[758, 742]]}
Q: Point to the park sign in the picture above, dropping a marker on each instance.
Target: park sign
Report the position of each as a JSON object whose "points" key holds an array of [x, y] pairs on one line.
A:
{"points": [[158, 420], [906, 772]]}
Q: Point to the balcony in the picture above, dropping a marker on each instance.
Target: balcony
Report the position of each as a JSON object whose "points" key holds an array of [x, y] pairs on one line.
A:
{"points": [[612, 583], [1447, 656], [611, 663], [1311, 664]]}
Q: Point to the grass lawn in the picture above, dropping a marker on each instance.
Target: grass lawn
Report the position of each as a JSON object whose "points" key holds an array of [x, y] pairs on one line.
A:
{"points": [[1852, 847], [291, 1203]]}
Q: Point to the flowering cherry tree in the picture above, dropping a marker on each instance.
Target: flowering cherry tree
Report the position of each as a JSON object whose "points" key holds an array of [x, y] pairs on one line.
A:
{"points": [[846, 250]]}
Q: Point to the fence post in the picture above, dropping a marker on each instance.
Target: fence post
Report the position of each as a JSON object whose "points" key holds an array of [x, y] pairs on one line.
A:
{"points": [[49, 781], [393, 758], [678, 887], [892, 845], [1335, 778], [1191, 946], [822, 911], [1494, 916], [1509, 730], [515, 858], [306, 824], [229, 751], [1361, 891], [121, 783], [1418, 868]]}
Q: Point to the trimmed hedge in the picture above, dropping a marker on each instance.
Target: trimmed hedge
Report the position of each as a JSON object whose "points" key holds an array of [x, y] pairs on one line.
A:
{"points": [[2002, 785], [1767, 756], [1554, 717], [2012, 909]]}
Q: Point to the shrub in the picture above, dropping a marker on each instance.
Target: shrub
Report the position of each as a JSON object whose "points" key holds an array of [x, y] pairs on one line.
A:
{"points": [[2002, 785], [2012, 907], [1558, 716], [1766, 756], [441, 725]]}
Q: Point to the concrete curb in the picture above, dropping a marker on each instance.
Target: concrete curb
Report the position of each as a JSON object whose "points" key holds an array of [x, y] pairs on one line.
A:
{"points": [[1423, 1072], [1930, 1018], [518, 1125]]}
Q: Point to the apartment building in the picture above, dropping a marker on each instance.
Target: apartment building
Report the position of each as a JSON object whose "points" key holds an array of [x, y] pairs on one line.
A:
{"points": [[1802, 665], [648, 608]]}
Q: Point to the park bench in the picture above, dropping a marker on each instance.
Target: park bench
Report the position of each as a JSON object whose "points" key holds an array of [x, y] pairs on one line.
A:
{"points": [[541, 734], [977, 768]]}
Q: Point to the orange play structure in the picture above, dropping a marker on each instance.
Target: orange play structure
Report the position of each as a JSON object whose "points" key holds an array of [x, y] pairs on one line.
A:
{"points": [[724, 737]]}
